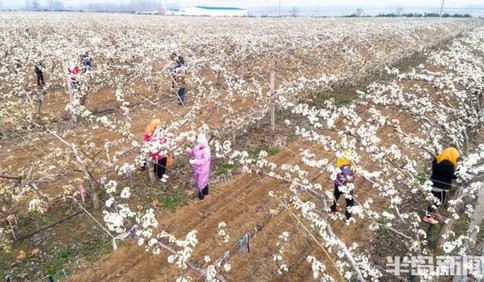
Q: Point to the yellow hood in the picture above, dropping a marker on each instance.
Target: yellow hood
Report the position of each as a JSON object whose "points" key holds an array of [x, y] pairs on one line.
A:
{"points": [[451, 154], [344, 159], [152, 126]]}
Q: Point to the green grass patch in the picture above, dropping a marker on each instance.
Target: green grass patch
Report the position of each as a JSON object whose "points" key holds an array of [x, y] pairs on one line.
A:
{"points": [[421, 177], [381, 229], [55, 265], [174, 199], [223, 168], [90, 250], [16, 271], [45, 219], [345, 101], [273, 151], [6, 256], [24, 220], [65, 253], [292, 137]]}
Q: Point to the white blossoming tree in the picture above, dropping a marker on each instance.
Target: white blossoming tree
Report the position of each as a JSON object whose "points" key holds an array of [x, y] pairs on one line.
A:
{"points": [[84, 141]]}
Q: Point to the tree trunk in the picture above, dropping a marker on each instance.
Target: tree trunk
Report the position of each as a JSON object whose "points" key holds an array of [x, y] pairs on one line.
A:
{"points": [[71, 94], [446, 227], [82, 100], [472, 231], [151, 171], [476, 220], [40, 100], [95, 198]]}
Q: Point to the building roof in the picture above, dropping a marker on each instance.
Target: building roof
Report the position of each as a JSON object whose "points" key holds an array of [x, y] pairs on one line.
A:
{"points": [[219, 8]]}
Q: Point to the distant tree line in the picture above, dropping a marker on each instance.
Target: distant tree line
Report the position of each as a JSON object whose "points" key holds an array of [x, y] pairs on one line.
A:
{"points": [[399, 13], [57, 5], [133, 5], [425, 15], [412, 15], [52, 5]]}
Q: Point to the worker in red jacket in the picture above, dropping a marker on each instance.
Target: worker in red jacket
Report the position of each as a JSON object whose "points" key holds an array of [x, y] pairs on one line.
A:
{"points": [[155, 142], [73, 71]]}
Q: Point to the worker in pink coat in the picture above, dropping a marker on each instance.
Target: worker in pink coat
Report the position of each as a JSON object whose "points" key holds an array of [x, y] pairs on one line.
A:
{"points": [[201, 159]]}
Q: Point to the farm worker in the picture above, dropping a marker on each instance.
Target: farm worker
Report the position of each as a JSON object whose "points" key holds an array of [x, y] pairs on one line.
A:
{"points": [[201, 159], [155, 141], [38, 71], [178, 59], [72, 71], [345, 176], [86, 61], [181, 84], [179, 62], [443, 171]]}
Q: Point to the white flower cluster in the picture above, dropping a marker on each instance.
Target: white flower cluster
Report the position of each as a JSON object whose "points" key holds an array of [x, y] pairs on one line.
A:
{"points": [[126, 169], [316, 266], [284, 237], [37, 205], [184, 279], [185, 253], [5, 241], [111, 186], [221, 232], [114, 222], [125, 193], [119, 95]]}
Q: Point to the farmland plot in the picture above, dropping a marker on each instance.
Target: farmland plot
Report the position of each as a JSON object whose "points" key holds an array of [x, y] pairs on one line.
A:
{"points": [[53, 142]]}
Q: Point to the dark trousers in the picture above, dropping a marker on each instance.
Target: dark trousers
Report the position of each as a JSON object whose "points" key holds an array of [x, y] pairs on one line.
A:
{"points": [[40, 78], [349, 202], [439, 195], [181, 94], [160, 168], [85, 68], [202, 193]]}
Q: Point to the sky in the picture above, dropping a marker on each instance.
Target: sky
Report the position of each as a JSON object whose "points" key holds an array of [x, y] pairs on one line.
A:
{"points": [[254, 3], [465, 5], [356, 3]]}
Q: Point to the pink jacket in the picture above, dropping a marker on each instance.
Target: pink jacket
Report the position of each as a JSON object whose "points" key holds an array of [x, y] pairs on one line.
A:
{"points": [[202, 156], [152, 141]]}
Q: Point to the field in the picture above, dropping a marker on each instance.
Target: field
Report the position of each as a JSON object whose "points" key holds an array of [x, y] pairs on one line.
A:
{"points": [[280, 100]]}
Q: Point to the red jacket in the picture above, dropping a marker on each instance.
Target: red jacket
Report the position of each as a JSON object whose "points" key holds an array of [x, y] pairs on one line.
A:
{"points": [[73, 72], [148, 139]]}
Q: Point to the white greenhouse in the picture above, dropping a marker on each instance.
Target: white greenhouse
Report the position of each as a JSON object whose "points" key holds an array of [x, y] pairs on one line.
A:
{"points": [[213, 11]]}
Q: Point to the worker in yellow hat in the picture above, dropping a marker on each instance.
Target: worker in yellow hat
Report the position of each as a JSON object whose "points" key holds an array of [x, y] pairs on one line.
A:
{"points": [[345, 176], [443, 171]]}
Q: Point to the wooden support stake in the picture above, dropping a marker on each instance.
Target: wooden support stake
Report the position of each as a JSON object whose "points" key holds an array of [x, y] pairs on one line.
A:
{"points": [[69, 90], [12, 221]]}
